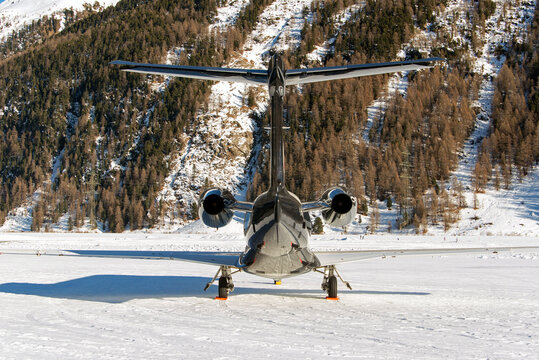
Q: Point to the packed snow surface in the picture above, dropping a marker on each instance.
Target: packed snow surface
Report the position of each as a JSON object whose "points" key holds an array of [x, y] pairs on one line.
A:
{"points": [[423, 307]]}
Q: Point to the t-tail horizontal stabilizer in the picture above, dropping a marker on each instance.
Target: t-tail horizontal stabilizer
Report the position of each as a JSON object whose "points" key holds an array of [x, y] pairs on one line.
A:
{"points": [[260, 77]]}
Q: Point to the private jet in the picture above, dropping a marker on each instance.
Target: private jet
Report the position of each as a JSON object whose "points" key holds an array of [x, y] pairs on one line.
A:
{"points": [[277, 223]]}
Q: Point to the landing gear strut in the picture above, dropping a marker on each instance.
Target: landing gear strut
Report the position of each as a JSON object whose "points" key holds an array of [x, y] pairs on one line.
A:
{"points": [[226, 285], [329, 284]]}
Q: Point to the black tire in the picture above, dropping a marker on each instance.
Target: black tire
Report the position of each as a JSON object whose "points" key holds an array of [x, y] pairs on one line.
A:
{"points": [[223, 287], [332, 287]]}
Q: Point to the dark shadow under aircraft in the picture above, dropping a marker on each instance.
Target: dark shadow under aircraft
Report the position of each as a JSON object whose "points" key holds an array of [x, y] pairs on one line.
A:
{"points": [[278, 223]]}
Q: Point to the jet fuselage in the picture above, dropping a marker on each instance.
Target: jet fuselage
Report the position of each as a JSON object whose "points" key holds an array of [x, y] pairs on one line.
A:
{"points": [[278, 231]]}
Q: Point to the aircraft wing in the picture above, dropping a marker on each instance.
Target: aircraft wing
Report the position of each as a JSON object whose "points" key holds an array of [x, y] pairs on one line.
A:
{"points": [[242, 206], [305, 76], [205, 257], [314, 206], [256, 77], [336, 257]]}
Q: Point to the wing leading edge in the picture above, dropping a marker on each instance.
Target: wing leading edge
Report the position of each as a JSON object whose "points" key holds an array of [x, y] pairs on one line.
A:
{"points": [[337, 257], [325, 258], [204, 257]]}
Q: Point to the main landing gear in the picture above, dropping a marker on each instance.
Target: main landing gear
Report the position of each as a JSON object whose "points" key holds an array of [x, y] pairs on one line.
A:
{"points": [[329, 284], [226, 285]]}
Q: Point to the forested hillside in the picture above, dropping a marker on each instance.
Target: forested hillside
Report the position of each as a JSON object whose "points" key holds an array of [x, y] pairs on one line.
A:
{"points": [[83, 143]]}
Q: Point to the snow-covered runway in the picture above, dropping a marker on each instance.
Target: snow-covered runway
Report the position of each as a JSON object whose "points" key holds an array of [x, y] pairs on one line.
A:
{"points": [[465, 306]]}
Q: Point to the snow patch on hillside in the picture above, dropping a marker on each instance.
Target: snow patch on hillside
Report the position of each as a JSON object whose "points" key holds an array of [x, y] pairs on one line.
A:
{"points": [[228, 13], [14, 14], [321, 51], [278, 28], [504, 212], [20, 219], [397, 84]]}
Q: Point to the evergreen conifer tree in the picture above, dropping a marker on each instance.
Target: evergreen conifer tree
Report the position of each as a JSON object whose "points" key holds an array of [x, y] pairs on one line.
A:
{"points": [[318, 226]]}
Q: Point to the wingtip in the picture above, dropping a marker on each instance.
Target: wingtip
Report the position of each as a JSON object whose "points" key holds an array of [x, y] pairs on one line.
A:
{"points": [[120, 62], [435, 59], [439, 60], [427, 62], [430, 62]]}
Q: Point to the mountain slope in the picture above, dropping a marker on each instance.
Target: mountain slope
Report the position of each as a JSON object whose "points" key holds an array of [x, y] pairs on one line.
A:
{"points": [[146, 147]]}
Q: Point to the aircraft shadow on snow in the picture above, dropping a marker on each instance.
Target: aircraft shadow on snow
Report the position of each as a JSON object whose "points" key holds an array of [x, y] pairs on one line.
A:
{"points": [[122, 288]]}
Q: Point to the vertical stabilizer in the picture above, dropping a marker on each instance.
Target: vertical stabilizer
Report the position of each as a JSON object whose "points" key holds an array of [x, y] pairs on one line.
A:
{"points": [[276, 92]]}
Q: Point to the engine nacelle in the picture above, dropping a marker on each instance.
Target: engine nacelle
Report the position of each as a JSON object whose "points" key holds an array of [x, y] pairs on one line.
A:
{"points": [[214, 207], [343, 207]]}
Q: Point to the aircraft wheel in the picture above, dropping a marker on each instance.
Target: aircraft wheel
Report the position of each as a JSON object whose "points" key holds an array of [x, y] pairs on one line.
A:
{"points": [[332, 287], [223, 287]]}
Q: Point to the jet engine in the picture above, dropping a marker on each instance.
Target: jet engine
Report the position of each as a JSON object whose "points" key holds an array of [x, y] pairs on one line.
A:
{"points": [[214, 207], [342, 207]]}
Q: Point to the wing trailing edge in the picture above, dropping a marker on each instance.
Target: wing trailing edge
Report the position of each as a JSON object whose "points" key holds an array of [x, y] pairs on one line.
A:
{"points": [[336, 257], [242, 206], [314, 206]]}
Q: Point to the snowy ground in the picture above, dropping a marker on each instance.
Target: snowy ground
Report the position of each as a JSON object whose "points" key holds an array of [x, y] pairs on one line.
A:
{"points": [[507, 212], [464, 307]]}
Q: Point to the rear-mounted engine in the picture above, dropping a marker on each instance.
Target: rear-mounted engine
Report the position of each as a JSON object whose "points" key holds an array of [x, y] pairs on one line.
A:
{"points": [[214, 207], [343, 207]]}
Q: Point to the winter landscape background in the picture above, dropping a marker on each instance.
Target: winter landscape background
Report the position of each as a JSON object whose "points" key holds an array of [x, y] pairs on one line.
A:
{"points": [[109, 162], [73, 135]]}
